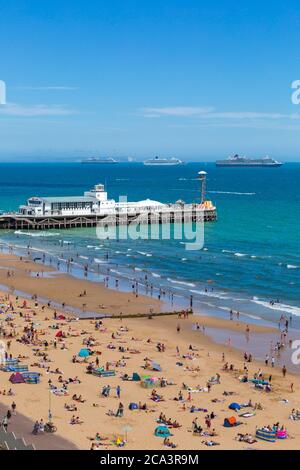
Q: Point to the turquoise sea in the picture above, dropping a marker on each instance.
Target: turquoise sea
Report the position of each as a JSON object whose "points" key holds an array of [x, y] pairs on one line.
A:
{"points": [[251, 254]]}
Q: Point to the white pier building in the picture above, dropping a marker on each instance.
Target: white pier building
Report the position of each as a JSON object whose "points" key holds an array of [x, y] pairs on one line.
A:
{"points": [[93, 202]]}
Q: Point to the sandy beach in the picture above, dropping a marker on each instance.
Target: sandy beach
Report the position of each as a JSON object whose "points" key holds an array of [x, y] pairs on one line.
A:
{"points": [[187, 360]]}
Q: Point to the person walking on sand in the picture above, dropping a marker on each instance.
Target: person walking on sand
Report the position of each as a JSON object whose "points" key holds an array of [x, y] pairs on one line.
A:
{"points": [[4, 422], [13, 407], [273, 361], [267, 359], [118, 391], [284, 371], [120, 411], [292, 387]]}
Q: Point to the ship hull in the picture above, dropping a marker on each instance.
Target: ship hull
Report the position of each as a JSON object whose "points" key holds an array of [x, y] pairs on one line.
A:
{"points": [[98, 163], [162, 164], [265, 165]]}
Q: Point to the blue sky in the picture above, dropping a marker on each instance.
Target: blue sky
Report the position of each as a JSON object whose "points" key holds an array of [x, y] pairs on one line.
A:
{"points": [[193, 79]]}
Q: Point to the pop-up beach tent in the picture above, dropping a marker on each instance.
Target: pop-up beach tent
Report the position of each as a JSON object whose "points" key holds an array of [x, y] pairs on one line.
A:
{"points": [[17, 378], [234, 406], [162, 431], [281, 434], [230, 422], [133, 406]]}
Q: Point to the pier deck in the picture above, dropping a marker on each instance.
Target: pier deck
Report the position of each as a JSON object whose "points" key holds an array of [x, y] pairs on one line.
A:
{"points": [[16, 221]]}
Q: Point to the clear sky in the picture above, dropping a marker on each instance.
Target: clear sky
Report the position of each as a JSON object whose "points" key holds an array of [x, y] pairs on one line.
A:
{"points": [[187, 78]]}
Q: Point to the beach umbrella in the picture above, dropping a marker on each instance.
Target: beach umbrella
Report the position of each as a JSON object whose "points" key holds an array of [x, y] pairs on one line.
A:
{"points": [[83, 353], [126, 429]]}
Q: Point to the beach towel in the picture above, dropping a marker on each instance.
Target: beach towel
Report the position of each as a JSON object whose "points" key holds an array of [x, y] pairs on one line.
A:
{"points": [[246, 415]]}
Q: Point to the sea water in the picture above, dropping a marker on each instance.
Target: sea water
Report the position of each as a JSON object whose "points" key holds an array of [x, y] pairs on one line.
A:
{"points": [[251, 253]]}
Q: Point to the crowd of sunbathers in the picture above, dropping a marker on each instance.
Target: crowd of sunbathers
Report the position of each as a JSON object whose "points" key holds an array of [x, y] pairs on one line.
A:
{"points": [[168, 421]]}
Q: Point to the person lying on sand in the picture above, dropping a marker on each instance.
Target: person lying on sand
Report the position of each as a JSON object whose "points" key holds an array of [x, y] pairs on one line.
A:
{"points": [[98, 438], [155, 396], [245, 438], [70, 407], [210, 443], [78, 398]]}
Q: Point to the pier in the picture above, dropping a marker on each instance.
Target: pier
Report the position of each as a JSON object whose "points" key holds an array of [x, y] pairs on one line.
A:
{"points": [[94, 209], [174, 214]]}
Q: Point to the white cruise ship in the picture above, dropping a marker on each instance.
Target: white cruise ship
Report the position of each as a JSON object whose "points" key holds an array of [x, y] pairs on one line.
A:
{"points": [[157, 161], [102, 160]]}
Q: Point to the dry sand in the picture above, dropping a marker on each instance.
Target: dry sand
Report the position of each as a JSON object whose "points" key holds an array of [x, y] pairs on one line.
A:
{"points": [[33, 400]]}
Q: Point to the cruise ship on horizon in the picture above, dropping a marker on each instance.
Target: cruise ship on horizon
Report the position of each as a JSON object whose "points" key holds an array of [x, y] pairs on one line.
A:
{"points": [[157, 161], [107, 160], [237, 160]]}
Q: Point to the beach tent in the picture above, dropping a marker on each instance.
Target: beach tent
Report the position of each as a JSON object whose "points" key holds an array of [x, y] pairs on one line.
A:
{"points": [[281, 434], [150, 382], [136, 377], [59, 334], [234, 406], [31, 377], [17, 378], [269, 436], [156, 367], [108, 373], [84, 352], [133, 406], [259, 382], [98, 371], [162, 431], [18, 368], [11, 362], [230, 422], [61, 317]]}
